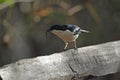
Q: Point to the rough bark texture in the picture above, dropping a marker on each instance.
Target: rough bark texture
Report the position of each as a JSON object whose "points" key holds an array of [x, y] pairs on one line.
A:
{"points": [[96, 60]]}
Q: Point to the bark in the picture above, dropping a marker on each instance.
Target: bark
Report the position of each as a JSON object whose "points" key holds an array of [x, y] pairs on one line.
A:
{"points": [[96, 60]]}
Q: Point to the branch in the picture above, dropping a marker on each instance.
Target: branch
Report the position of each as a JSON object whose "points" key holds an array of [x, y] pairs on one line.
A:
{"points": [[96, 60], [6, 3]]}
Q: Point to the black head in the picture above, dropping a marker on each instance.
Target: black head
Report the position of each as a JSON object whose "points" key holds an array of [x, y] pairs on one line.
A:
{"points": [[69, 27], [54, 27]]}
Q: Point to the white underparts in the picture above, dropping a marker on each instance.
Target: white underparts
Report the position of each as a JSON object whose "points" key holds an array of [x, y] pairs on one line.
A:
{"points": [[67, 36]]}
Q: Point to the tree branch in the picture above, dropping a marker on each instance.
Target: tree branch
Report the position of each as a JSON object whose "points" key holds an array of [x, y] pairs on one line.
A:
{"points": [[96, 60]]}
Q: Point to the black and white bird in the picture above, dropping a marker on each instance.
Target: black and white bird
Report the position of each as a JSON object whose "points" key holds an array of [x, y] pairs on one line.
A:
{"points": [[68, 33]]}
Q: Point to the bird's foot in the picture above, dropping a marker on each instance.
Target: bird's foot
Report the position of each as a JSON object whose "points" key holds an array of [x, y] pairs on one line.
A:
{"points": [[75, 50]]}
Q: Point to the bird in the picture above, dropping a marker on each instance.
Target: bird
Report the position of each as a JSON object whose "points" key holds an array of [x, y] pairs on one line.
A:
{"points": [[67, 33]]}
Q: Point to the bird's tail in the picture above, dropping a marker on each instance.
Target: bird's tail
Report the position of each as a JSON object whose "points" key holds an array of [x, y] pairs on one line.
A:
{"points": [[84, 31]]}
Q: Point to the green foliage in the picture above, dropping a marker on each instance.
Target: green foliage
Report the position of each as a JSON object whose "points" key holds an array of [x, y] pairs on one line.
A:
{"points": [[7, 2], [1, 1]]}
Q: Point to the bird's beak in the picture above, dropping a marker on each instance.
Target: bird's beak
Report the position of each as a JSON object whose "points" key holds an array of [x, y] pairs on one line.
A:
{"points": [[84, 31]]}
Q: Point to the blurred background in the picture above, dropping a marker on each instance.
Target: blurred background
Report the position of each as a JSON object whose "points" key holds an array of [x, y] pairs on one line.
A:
{"points": [[23, 25]]}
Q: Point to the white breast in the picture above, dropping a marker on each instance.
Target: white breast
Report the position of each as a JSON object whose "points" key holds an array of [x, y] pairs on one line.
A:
{"points": [[66, 36]]}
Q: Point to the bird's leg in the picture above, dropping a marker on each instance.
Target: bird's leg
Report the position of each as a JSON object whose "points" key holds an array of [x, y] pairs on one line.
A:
{"points": [[75, 46], [66, 44]]}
